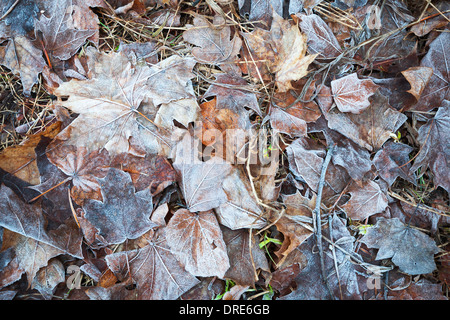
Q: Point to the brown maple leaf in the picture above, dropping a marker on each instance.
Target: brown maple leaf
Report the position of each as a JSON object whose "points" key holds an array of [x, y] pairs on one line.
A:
{"points": [[352, 94], [59, 39], [196, 240], [283, 49], [213, 42]]}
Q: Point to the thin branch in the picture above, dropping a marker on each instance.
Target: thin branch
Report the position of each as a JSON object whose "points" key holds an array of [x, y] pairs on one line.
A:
{"points": [[317, 223]]}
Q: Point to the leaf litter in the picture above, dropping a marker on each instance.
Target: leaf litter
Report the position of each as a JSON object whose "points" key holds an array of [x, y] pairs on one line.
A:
{"points": [[224, 150]]}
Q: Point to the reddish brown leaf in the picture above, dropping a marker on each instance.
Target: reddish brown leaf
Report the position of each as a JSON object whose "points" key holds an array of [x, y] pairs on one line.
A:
{"points": [[365, 200], [196, 240], [245, 259], [352, 94], [157, 273]]}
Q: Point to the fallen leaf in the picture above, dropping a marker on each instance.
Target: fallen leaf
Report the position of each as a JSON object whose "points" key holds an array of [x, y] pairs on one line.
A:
{"points": [[418, 78], [213, 41], [321, 39], [420, 290], [392, 161], [294, 223], [157, 273], [31, 254], [108, 104], [365, 200], [201, 182], [241, 209], [123, 214], [232, 93], [196, 240], [48, 278], [28, 220], [245, 258], [60, 40], [352, 94], [283, 48], [21, 19], [235, 293], [410, 249], [82, 168], [343, 281], [434, 152], [152, 171], [24, 59], [438, 87], [371, 128]]}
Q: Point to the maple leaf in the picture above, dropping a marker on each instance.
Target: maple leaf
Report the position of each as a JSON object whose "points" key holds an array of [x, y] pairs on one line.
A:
{"points": [[31, 255], [352, 94], [213, 42], [201, 182], [365, 200], [244, 257], [342, 278], [196, 240], [24, 59], [28, 220], [434, 151], [124, 213], [81, 168], [283, 48], [240, 210], [321, 39], [292, 223], [392, 161], [108, 105], [233, 93], [410, 249], [59, 39], [438, 87], [157, 273], [371, 128]]}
